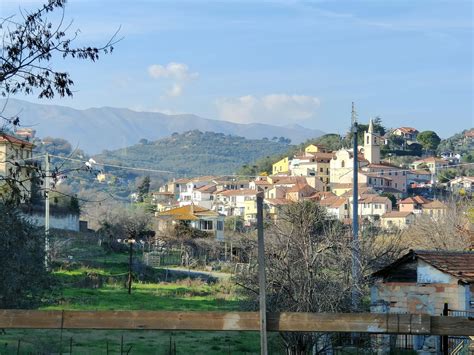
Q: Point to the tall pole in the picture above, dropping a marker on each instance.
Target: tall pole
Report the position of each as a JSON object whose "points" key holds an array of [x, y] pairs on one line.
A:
{"points": [[261, 276], [130, 259], [47, 185], [355, 217]]}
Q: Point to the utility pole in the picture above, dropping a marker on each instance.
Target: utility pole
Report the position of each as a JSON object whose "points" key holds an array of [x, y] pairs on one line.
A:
{"points": [[261, 276], [355, 217], [130, 259], [47, 185]]}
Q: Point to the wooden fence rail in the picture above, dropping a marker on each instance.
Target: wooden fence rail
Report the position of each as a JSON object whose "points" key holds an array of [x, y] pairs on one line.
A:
{"points": [[241, 321]]}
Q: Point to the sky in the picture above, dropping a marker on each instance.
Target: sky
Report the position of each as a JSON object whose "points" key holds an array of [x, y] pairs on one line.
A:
{"points": [[279, 62]]}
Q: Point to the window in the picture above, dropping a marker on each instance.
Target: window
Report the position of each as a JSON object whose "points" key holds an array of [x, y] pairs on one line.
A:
{"points": [[206, 225], [396, 173], [368, 139], [220, 225], [343, 164]]}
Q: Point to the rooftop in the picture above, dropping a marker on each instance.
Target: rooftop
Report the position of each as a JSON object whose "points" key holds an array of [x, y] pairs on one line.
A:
{"points": [[456, 263]]}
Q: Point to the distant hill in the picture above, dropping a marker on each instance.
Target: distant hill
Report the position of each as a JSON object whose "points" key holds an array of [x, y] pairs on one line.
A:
{"points": [[194, 153], [96, 129]]}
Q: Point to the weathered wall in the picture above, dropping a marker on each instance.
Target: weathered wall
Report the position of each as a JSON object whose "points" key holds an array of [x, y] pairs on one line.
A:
{"points": [[56, 221]]}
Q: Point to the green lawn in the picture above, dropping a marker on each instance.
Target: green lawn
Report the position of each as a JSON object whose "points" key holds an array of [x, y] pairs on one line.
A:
{"points": [[70, 293]]}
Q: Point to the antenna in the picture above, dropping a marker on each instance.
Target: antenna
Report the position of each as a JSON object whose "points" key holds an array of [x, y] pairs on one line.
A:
{"points": [[353, 117]]}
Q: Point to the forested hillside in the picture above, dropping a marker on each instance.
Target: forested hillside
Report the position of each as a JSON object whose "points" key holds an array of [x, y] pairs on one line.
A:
{"points": [[195, 153]]}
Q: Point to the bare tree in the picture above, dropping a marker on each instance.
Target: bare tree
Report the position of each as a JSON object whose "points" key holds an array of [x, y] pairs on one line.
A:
{"points": [[448, 231], [308, 266]]}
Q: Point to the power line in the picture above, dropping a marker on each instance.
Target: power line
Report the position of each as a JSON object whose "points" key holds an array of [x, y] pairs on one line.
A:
{"points": [[117, 166]]}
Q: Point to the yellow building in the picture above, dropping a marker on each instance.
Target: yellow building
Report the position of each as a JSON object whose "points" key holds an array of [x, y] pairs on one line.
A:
{"points": [[250, 211], [397, 219], [15, 160], [282, 166], [314, 148]]}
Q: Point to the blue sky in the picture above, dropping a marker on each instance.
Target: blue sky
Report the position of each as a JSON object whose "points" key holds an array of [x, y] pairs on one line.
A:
{"points": [[280, 62]]}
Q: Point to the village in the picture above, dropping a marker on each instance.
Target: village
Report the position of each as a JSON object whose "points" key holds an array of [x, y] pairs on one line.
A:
{"points": [[390, 196], [204, 192]]}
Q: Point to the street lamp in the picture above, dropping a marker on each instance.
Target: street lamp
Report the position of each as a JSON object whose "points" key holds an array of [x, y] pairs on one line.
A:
{"points": [[130, 242]]}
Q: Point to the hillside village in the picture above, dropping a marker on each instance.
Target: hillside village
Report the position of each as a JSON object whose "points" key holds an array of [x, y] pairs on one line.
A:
{"points": [[390, 196]]}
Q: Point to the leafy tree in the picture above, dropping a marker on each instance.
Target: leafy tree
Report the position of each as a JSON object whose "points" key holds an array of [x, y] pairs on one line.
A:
{"points": [[23, 277], [331, 141], [143, 188], [30, 43], [446, 175], [429, 140], [391, 197]]}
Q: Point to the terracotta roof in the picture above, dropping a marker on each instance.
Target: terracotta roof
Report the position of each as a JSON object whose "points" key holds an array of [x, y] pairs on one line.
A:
{"points": [[374, 198], [14, 140], [320, 195], [207, 188], [383, 166], [287, 180], [241, 192], [456, 263], [187, 213], [396, 214], [301, 187], [407, 129], [277, 201], [469, 133], [333, 202], [415, 199], [431, 160], [435, 205], [181, 181]]}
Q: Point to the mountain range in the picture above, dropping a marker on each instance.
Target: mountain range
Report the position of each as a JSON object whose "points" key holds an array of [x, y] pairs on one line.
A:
{"points": [[96, 129]]}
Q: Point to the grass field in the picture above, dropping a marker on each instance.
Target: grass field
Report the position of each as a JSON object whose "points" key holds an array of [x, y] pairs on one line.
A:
{"points": [[72, 292]]}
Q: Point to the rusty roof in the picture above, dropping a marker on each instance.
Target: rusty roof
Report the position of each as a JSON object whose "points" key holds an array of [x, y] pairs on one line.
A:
{"points": [[415, 199], [459, 264], [14, 140]]}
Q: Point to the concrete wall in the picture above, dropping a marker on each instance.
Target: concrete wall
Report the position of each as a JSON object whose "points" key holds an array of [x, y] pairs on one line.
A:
{"points": [[56, 221]]}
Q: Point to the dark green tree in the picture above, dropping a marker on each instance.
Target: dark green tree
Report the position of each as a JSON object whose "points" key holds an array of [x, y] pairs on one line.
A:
{"points": [[429, 140], [23, 277], [143, 188]]}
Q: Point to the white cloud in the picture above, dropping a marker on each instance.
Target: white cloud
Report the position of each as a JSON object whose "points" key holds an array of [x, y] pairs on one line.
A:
{"points": [[173, 70], [176, 73], [273, 108], [175, 90]]}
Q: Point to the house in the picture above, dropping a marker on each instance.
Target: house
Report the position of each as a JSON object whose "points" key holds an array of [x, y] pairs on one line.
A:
{"points": [[374, 206], [434, 164], [315, 164], [435, 209], [407, 133], [164, 200], [15, 161], [336, 207], [450, 156], [397, 219], [316, 148], [299, 192], [421, 282], [418, 178], [232, 202], [186, 193], [413, 204], [462, 185], [281, 167], [396, 175], [273, 206], [193, 216]]}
